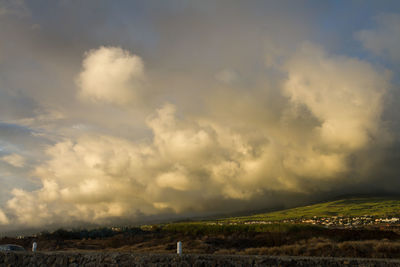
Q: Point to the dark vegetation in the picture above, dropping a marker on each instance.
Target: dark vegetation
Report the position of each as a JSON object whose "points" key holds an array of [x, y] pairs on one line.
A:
{"points": [[273, 239]]}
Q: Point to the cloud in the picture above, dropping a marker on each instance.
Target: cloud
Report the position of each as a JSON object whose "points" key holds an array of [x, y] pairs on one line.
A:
{"points": [[111, 75], [14, 138], [249, 119], [14, 160], [96, 178], [384, 39], [3, 218], [13, 7], [344, 94], [227, 76], [332, 112]]}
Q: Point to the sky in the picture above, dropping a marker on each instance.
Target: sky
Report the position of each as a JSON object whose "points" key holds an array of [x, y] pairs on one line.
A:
{"points": [[121, 112]]}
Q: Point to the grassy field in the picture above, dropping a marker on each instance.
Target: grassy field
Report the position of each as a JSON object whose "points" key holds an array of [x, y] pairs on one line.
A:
{"points": [[380, 207], [352, 207]]}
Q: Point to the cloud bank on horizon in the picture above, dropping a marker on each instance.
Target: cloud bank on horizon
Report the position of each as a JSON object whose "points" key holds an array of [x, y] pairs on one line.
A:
{"points": [[156, 110]]}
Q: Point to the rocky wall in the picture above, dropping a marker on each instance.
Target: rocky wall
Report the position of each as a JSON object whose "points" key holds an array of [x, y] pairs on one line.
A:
{"points": [[128, 259]]}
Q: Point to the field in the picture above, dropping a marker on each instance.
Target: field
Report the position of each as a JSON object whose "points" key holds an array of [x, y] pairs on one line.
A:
{"points": [[352, 207], [234, 236]]}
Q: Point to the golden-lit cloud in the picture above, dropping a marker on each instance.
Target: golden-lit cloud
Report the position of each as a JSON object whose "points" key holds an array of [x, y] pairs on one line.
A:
{"points": [[346, 96], [111, 75], [3, 218], [189, 162], [205, 109]]}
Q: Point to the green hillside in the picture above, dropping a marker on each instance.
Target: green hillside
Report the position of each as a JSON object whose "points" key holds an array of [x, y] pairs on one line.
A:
{"points": [[352, 207]]}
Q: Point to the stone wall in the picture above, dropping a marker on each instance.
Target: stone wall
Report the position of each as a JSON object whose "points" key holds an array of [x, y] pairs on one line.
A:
{"points": [[127, 259]]}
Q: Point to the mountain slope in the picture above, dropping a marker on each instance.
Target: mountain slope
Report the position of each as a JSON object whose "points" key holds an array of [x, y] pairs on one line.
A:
{"points": [[352, 207]]}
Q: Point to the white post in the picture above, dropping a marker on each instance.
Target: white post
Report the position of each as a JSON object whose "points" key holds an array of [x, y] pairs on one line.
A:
{"points": [[179, 248], [34, 246]]}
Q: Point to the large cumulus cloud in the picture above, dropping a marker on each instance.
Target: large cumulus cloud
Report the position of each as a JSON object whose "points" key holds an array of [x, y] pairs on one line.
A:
{"points": [[191, 161], [133, 112]]}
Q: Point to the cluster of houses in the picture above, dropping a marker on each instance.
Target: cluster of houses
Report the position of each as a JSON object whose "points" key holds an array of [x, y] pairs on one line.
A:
{"points": [[347, 222], [337, 221]]}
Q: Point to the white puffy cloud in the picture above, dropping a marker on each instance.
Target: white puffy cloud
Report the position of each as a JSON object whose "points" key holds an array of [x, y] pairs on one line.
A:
{"points": [[98, 177], [384, 39], [111, 75]]}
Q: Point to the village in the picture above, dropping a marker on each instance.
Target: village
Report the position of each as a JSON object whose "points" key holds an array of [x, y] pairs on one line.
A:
{"points": [[336, 221]]}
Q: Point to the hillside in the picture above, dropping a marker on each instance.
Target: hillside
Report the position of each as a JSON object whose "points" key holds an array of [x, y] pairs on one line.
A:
{"points": [[352, 207], [210, 237]]}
